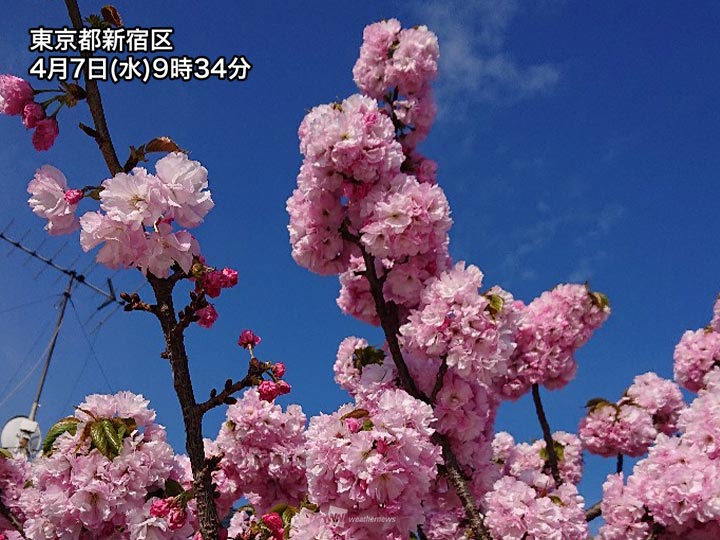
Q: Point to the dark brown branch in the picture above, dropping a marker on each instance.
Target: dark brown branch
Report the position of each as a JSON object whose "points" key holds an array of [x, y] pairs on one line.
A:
{"points": [[192, 413], [619, 464], [253, 377], [12, 518], [593, 512], [390, 323], [440, 379], [164, 310], [94, 101], [389, 320], [457, 479], [547, 435], [133, 303]]}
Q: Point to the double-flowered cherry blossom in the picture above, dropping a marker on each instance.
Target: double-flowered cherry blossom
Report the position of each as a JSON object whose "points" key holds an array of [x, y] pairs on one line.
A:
{"points": [[650, 406], [101, 475], [373, 457], [17, 98], [262, 454], [552, 328], [52, 199]]}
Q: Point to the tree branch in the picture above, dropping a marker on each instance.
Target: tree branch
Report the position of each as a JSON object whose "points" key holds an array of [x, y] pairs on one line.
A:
{"points": [[593, 512], [12, 518], [164, 311], [390, 323], [192, 413], [253, 377], [547, 435], [94, 101]]}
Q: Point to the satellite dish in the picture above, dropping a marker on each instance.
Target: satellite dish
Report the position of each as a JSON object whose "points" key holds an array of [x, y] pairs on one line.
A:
{"points": [[21, 435]]}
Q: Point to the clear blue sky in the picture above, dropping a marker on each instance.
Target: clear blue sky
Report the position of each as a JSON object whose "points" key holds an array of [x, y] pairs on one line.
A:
{"points": [[576, 141]]}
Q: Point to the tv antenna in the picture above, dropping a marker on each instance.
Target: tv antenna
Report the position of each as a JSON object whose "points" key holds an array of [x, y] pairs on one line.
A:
{"points": [[22, 434]]}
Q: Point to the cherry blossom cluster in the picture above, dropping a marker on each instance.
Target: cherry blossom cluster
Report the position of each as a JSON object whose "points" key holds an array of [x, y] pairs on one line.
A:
{"points": [[471, 332], [674, 492], [517, 511], [551, 330], [83, 490], [17, 97], [137, 210], [400, 62], [363, 188], [697, 353], [650, 406], [374, 456], [529, 462], [262, 454]]}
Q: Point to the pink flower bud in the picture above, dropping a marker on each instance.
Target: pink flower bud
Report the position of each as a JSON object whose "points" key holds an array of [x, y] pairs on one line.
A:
{"points": [[207, 315], [73, 196], [161, 507], [248, 339], [273, 522], [229, 277], [32, 113], [45, 134], [353, 424], [268, 390], [282, 388], [212, 283], [176, 518], [279, 369]]}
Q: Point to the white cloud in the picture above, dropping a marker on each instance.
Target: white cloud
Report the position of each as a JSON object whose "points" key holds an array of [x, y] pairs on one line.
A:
{"points": [[474, 62]]}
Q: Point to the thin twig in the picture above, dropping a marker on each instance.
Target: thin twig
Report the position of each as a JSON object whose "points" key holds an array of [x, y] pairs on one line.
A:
{"points": [[12, 518], [94, 101], [593, 512], [253, 377], [547, 435]]}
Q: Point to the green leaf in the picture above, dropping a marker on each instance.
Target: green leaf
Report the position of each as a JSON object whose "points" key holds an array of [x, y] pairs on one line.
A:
{"points": [[495, 304], [114, 440], [597, 403], [99, 439], [364, 356], [173, 488], [357, 413], [5, 453], [600, 300], [288, 514], [68, 424]]}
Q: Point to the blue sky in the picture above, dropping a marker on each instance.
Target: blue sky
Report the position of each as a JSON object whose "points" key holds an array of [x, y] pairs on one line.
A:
{"points": [[576, 141]]}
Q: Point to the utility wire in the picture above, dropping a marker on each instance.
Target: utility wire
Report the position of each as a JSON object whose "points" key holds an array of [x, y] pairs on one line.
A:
{"points": [[90, 345]]}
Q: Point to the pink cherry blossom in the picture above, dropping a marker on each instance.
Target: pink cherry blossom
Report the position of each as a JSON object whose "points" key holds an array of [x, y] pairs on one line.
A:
{"points": [[15, 93], [695, 355], [49, 200], [32, 113], [208, 315], [185, 186], [46, 131], [248, 339]]}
